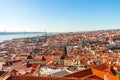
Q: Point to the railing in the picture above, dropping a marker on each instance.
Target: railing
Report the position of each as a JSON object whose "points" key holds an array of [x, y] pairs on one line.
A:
{"points": [[4, 76]]}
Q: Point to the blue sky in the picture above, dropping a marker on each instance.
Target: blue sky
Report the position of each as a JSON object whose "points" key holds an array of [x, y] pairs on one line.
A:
{"points": [[59, 15]]}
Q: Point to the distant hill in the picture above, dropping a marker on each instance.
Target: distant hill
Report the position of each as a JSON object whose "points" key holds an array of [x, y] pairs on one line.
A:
{"points": [[15, 33]]}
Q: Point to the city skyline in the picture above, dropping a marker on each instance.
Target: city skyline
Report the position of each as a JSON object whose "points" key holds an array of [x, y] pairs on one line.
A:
{"points": [[59, 15]]}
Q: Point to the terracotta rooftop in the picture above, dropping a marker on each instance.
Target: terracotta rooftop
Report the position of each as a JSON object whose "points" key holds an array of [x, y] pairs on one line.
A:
{"points": [[39, 78], [102, 67], [81, 74], [38, 57], [94, 73], [17, 66]]}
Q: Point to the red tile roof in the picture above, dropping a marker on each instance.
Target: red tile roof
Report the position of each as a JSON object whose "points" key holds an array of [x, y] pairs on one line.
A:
{"points": [[81, 74], [39, 78], [94, 73]]}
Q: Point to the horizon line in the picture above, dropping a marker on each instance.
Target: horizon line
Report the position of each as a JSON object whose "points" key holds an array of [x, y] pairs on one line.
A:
{"points": [[57, 31]]}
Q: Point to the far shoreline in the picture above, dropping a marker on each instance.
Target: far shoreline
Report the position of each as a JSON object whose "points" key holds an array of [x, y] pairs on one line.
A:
{"points": [[20, 35]]}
